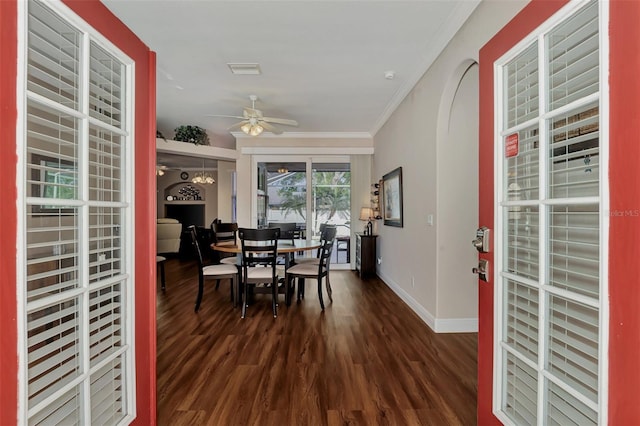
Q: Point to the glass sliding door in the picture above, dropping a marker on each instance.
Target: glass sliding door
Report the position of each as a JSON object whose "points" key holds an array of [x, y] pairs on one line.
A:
{"points": [[284, 189], [306, 191], [331, 186]]}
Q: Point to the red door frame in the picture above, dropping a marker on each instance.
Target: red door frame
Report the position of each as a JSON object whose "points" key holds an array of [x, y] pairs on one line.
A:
{"points": [[98, 16], [624, 191], [8, 214]]}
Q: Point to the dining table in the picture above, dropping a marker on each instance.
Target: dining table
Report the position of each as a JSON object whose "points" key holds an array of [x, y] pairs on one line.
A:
{"points": [[286, 248]]}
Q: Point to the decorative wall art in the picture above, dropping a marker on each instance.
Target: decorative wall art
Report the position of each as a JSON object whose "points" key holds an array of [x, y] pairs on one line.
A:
{"points": [[392, 198]]}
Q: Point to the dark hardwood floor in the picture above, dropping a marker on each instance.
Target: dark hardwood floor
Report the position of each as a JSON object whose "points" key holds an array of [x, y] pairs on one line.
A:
{"points": [[366, 360]]}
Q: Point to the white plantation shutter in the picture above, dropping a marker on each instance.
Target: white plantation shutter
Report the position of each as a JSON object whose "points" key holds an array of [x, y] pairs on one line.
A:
{"points": [[78, 276], [548, 342], [521, 103]]}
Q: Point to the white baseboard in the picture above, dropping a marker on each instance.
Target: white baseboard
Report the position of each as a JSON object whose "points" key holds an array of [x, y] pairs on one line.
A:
{"points": [[457, 325], [448, 325]]}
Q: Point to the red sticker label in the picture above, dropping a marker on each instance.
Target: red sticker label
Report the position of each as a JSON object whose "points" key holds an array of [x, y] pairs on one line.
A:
{"points": [[511, 146]]}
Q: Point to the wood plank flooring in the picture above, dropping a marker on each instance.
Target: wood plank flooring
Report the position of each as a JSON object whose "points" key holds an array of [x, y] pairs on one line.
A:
{"points": [[366, 360]]}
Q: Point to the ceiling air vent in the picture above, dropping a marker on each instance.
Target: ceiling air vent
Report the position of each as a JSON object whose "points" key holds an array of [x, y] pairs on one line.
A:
{"points": [[245, 69]]}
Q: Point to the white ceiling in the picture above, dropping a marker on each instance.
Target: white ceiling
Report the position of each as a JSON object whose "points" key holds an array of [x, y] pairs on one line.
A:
{"points": [[323, 62]]}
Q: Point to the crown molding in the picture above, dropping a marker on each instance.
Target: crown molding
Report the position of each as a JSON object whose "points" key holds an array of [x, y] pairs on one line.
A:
{"points": [[293, 150], [434, 48], [306, 135]]}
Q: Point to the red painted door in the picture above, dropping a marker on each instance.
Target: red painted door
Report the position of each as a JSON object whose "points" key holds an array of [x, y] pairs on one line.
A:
{"points": [[143, 137], [573, 367]]}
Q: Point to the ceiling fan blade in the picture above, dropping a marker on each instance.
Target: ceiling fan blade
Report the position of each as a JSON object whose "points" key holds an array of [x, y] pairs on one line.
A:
{"points": [[224, 116], [238, 125], [268, 127], [280, 121], [252, 112]]}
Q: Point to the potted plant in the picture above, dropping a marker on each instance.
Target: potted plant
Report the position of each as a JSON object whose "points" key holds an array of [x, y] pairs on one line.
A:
{"points": [[194, 134]]}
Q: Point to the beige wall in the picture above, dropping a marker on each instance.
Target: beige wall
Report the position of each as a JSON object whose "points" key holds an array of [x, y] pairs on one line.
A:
{"points": [[457, 198], [430, 266], [226, 169]]}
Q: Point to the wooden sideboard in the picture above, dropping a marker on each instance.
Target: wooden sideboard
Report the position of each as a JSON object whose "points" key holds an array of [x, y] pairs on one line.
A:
{"points": [[366, 255]]}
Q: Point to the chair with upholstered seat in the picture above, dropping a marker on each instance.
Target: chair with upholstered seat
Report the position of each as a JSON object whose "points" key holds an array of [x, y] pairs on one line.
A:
{"points": [[315, 260], [259, 255], [316, 270], [225, 233], [219, 272]]}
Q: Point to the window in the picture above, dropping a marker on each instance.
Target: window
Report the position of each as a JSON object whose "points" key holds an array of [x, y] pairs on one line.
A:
{"points": [[76, 363]]}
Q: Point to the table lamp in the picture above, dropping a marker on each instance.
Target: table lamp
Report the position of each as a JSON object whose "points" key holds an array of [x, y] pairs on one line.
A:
{"points": [[366, 213]]}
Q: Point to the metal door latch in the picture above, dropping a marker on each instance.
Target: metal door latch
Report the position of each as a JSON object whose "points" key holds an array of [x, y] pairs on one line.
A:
{"points": [[482, 270]]}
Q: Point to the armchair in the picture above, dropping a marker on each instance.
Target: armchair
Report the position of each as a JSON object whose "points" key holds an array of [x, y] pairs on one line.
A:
{"points": [[168, 233]]}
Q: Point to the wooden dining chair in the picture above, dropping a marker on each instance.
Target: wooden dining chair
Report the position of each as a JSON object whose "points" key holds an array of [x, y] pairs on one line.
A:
{"points": [[225, 233], [316, 260], [219, 272], [317, 255], [316, 270], [259, 256], [288, 233], [288, 230]]}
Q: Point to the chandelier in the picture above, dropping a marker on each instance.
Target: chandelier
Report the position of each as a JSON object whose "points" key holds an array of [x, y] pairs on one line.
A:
{"points": [[203, 177]]}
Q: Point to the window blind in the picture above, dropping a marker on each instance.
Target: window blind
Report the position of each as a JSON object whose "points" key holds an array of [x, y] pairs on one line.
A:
{"points": [[522, 241], [573, 56], [105, 86], [522, 170], [77, 284], [521, 390], [521, 318], [53, 57], [573, 154], [521, 87]]}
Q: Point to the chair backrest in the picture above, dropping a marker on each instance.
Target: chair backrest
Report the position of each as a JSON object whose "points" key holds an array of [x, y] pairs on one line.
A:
{"points": [[327, 240], [259, 246], [224, 232], [321, 228], [216, 220], [168, 233], [288, 230], [196, 246]]}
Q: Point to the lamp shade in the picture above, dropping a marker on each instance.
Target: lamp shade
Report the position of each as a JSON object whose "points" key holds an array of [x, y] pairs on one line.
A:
{"points": [[366, 213], [252, 128]]}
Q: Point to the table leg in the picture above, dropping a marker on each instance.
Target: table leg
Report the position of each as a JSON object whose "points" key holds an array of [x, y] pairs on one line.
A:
{"points": [[287, 280]]}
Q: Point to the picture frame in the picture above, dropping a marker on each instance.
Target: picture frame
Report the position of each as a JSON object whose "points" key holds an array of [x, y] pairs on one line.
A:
{"points": [[392, 198]]}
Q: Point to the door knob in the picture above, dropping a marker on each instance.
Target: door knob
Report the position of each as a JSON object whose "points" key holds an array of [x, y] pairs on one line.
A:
{"points": [[481, 242], [482, 270]]}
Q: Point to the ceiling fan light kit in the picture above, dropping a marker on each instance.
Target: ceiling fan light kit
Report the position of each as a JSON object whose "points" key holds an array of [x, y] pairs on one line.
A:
{"points": [[254, 122], [252, 129]]}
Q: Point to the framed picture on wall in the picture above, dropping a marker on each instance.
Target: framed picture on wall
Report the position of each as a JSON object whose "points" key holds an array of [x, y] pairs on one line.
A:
{"points": [[392, 198]]}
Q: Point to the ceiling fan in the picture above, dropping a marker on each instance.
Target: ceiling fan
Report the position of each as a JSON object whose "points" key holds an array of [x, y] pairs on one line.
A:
{"points": [[254, 123]]}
